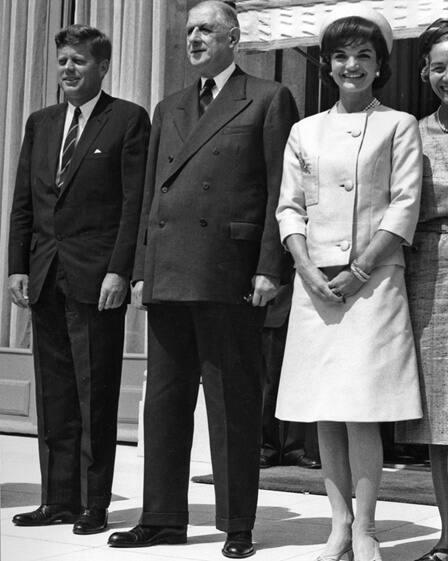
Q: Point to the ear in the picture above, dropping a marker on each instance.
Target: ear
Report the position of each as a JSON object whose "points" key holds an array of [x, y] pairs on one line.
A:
{"points": [[104, 67], [234, 36]]}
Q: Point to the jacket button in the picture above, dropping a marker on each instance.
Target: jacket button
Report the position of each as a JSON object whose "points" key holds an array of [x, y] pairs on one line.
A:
{"points": [[344, 245], [164, 189], [348, 185], [170, 158], [162, 223], [206, 186], [215, 151], [355, 133], [203, 222], [59, 237]]}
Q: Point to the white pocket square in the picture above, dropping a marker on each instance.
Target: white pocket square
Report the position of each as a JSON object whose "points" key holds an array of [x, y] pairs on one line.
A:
{"points": [[97, 151]]}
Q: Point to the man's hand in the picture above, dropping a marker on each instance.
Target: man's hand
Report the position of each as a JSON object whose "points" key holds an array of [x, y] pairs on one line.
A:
{"points": [[137, 295], [265, 289], [113, 292], [18, 288]]}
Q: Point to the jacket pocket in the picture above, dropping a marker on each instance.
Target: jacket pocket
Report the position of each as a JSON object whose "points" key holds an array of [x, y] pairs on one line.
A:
{"points": [[310, 178], [246, 231]]}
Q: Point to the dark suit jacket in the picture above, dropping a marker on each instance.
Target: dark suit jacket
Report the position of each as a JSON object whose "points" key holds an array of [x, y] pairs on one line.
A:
{"points": [[92, 223], [212, 185]]}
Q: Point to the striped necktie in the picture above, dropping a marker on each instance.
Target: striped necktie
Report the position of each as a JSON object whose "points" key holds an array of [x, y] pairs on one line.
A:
{"points": [[205, 95], [69, 147]]}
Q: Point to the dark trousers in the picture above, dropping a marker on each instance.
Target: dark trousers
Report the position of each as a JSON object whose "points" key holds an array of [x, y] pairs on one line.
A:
{"points": [[221, 343], [283, 442], [77, 358]]}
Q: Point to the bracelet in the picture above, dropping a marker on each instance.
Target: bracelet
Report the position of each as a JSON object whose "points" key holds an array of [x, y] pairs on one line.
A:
{"points": [[358, 272]]}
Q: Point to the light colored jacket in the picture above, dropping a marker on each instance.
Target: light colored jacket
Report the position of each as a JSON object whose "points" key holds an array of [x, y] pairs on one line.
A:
{"points": [[347, 175]]}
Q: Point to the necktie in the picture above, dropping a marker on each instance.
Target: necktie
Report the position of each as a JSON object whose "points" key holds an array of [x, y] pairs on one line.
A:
{"points": [[205, 95], [69, 147]]}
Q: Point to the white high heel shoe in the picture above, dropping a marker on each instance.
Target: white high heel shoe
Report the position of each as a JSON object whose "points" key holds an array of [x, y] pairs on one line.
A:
{"points": [[346, 555]]}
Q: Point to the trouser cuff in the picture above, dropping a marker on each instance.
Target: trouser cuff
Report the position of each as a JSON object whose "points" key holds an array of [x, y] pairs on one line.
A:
{"points": [[164, 519], [235, 524]]}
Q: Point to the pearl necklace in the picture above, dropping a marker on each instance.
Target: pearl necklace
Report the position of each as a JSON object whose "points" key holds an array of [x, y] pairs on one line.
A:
{"points": [[443, 128], [371, 105], [374, 103]]}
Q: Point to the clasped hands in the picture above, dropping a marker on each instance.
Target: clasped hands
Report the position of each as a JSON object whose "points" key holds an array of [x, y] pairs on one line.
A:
{"points": [[336, 290]]}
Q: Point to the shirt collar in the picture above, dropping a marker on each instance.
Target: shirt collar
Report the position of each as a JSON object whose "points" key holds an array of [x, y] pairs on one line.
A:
{"points": [[86, 108], [221, 78]]}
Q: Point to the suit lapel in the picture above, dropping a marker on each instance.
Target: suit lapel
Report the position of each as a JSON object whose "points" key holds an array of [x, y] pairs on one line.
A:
{"points": [[96, 122], [230, 101], [186, 115], [55, 140]]}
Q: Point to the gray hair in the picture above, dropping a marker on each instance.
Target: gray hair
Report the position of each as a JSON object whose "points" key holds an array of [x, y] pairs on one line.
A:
{"points": [[226, 14]]}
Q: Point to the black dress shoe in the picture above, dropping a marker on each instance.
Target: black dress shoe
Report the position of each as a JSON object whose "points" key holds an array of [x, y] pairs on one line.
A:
{"points": [[432, 555], [46, 515], [92, 521], [267, 462], [238, 545], [144, 536], [308, 463]]}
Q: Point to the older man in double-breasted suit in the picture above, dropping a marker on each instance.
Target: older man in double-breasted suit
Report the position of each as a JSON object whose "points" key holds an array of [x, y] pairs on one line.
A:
{"points": [[208, 261], [74, 224]]}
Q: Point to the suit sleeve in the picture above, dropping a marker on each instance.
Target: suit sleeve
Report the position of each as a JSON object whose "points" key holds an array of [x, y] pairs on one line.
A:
{"points": [[281, 115], [401, 216], [151, 167], [21, 219], [133, 163]]}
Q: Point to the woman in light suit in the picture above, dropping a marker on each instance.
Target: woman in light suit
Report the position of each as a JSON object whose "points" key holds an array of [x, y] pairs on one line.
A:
{"points": [[349, 201]]}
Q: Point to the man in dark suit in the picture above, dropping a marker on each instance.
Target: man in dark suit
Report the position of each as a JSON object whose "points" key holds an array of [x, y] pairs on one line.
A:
{"points": [[74, 224], [208, 261]]}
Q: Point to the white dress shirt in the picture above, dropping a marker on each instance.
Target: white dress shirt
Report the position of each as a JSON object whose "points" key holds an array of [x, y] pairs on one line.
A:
{"points": [[86, 111]]}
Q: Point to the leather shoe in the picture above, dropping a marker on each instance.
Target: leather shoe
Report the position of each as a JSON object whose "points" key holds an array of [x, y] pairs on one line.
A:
{"points": [[92, 521], [144, 536], [267, 461], [46, 515], [308, 463], [238, 545], [432, 555]]}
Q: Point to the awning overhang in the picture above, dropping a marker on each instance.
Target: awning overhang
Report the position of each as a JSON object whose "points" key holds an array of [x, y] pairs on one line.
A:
{"points": [[283, 24]]}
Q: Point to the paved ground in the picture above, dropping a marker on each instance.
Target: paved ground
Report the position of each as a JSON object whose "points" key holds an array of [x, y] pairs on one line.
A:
{"points": [[289, 526]]}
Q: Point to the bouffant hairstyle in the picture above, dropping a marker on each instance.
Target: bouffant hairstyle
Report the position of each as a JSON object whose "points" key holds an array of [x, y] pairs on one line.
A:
{"points": [[100, 45], [435, 33], [354, 31]]}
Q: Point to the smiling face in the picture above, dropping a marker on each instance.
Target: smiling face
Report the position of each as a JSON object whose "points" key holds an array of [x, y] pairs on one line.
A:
{"points": [[210, 43], [438, 70], [354, 67], [79, 73]]}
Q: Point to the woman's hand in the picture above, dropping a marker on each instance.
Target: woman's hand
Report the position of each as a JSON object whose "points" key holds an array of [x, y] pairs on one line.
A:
{"points": [[317, 282], [345, 283]]}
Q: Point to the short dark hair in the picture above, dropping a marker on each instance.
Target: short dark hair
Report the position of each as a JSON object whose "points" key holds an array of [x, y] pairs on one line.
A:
{"points": [[435, 33], [354, 30], [100, 45]]}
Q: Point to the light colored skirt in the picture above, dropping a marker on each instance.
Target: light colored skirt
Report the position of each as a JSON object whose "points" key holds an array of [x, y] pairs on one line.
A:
{"points": [[352, 362], [427, 281]]}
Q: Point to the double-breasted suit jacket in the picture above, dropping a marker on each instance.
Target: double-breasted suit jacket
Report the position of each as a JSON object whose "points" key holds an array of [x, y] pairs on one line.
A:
{"points": [[91, 224], [66, 240], [207, 227], [211, 192]]}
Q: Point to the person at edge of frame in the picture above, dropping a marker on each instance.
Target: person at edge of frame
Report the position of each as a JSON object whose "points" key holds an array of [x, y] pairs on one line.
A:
{"points": [[73, 231]]}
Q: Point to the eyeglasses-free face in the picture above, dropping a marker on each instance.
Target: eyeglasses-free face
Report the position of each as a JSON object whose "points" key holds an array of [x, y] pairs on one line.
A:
{"points": [[354, 67]]}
